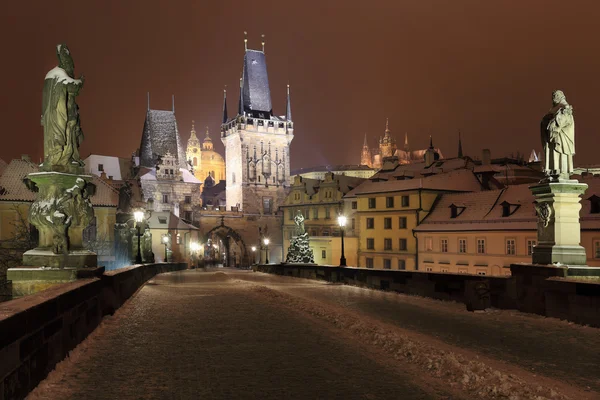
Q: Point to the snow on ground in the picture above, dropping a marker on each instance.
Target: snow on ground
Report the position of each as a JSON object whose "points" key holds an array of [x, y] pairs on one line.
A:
{"points": [[234, 334]]}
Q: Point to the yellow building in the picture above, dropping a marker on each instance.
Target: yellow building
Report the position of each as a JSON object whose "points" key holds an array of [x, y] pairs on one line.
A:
{"points": [[484, 233], [203, 159], [179, 233], [16, 198], [321, 202], [388, 211]]}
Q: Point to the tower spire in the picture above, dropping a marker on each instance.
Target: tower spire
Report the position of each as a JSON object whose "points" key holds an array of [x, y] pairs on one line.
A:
{"points": [[460, 151], [148, 94], [406, 148], [225, 105], [430, 142], [245, 40], [241, 103], [387, 127], [173, 101], [263, 42], [365, 142], [288, 114]]}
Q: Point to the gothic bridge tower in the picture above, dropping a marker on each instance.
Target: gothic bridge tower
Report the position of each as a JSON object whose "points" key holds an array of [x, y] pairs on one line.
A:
{"points": [[257, 142]]}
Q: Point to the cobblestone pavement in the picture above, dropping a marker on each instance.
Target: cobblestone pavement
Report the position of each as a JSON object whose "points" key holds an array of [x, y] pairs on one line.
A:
{"points": [[195, 335]]}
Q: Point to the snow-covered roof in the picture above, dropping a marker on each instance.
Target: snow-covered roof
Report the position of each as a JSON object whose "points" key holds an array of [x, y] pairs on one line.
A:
{"points": [[149, 174], [160, 137], [117, 167], [188, 177], [256, 92], [168, 220]]}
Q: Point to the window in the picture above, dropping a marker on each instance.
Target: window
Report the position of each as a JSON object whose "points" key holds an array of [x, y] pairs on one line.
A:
{"points": [[387, 263], [370, 223], [369, 262], [327, 213], [387, 244], [480, 272], [326, 232], [444, 270], [530, 245], [511, 247], [323, 254], [307, 213], [315, 213], [402, 265], [462, 245], [165, 198], [596, 248], [178, 238], [389, 202], [101, 167], [370, 244], [594, 204], [387, 223], [195, 162], [187, 215], [480, 246], [429, 243], [405, 201], [402, 222], [353, 223], [429, 269], [372, 202], [233, 178], [267, 205], [402, 244], [354, 205], [187, 200], [291, 214], [444, 245], [162, 220]]}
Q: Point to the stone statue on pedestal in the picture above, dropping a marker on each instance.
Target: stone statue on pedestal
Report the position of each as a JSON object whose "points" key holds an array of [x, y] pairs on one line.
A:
{"points": [[558, 138], [557, 197], [299, 250]]}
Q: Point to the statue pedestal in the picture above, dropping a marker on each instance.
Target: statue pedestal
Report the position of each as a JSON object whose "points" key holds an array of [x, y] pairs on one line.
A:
{"points": [[61, 212], [557, 205]]}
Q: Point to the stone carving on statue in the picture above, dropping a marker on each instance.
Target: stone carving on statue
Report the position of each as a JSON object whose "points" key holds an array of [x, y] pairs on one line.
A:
{"points": [[299, 221], [544, 212], [147, 253], [60, 115], [558, 138]]}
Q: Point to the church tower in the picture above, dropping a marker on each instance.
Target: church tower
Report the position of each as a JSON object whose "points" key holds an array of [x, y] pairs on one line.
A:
{"points": [[257, 142], [387, 144], [192, 152], [365, 154]]}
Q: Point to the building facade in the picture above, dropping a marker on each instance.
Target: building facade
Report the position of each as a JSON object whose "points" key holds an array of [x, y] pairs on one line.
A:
{"points": [[319, 172], [256, 143]]}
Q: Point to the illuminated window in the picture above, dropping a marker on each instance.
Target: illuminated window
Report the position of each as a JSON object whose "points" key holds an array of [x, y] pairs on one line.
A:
{"points": [[530, 245], [462, 245], [480, 246], [444, 245], [178, 238], [429, 243], [511, 247]]}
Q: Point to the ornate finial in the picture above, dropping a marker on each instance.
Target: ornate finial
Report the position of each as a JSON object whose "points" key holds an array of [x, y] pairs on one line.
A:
{"points": [[207, 135], [263, 42], [245, 40], [430, 142], [193, 129], [148, 94], [173, 100]]}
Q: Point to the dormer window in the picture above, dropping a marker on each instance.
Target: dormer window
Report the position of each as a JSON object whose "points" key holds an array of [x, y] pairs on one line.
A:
{"points": [[509, 209], [456, 210], [594, 204]]}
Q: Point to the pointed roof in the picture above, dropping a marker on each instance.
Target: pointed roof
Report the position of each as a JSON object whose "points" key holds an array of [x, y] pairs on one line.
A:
{"points": [[387, 127], [365, 142], [460, 151], [193, 140], [207, 138], [160, 136], [256, 95], [288, 113], [406, 148], [225, 105]]}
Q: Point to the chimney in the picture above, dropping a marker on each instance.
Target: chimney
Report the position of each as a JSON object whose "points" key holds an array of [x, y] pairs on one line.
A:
{"points": [[25, 157], [486, 157], [110, 177], [103, 175]]}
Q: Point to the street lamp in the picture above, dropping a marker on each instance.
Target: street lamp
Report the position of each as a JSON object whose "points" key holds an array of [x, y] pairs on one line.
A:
{"points": [[165, 240], [196, 248], [342, 223], [254, 253], [266, 242], [139, 218]]}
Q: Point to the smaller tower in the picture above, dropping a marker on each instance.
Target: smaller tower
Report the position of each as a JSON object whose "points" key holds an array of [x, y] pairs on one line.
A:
{"points": [[192, 153], [387, 144], [225, 106], [430, 154], [406, 148], [207, 144], [365, 155]]}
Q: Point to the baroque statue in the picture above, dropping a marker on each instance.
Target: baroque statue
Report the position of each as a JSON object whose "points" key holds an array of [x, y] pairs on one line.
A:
{"points": [[60, 114], [299, 250], [558, 138], [299, 221]]}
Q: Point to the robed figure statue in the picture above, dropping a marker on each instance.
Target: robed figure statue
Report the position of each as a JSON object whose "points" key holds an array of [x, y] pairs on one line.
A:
{"points": [[558, 138], [60, 114]]}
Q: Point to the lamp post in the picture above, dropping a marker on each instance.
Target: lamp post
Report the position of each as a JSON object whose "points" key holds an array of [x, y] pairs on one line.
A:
{"points": [[254, 254], [139, 218], [194, 247], [266, 242], [165, 239], [342, 224]]}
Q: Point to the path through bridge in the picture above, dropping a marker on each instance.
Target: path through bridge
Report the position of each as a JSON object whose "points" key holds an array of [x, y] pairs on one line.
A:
{"points": [[229, 334]]}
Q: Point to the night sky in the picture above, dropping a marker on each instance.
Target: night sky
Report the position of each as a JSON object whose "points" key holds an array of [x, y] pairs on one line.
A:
{"points": [[433, 67]]}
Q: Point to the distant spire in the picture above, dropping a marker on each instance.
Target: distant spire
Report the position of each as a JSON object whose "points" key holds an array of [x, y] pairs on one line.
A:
{"points": [[241, 103], [430, 142], [173, 101], [406, 141], [207, 134], [460, 152], [245, 40], [387, 127], [225, 105], [148, 101], [263, 42], [365, 144], [288, 114]]}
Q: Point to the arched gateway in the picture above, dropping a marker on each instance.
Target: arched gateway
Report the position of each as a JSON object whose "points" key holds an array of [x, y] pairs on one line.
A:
{"points": [[234, 248]]}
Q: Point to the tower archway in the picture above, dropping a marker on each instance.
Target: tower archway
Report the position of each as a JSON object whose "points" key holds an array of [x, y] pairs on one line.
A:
{"points": [[233, 251]]}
